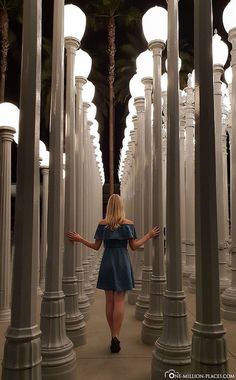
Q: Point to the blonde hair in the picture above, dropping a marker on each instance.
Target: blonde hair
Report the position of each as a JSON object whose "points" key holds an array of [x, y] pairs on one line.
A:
{"points": [[115, 213]]}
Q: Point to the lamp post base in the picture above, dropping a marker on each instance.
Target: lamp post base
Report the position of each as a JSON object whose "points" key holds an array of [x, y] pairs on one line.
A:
{"points": [[209, 353], [228, 306]]}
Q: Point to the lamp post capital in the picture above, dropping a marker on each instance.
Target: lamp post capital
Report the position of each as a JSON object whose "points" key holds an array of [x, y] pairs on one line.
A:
{"points": [[72, 43], [80, 81], [156, 46]]}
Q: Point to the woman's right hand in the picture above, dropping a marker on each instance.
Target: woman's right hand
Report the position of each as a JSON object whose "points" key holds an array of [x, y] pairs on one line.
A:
{"points": [[154, 232], [73, 236]]}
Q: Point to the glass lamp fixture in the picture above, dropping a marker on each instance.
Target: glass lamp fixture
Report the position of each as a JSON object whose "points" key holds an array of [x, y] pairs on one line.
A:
{"points": [[129, 122], [219, 50], [9, 115], [131, 107], [229, 16], [88, 92], [74, 22], [155, 22], [228, 75], [83, 64], [144, 64], [92, 112], [179, 64], [164, 82], [42, 150], [45, 159], [94, 128], [96, 141], [136, 87]]}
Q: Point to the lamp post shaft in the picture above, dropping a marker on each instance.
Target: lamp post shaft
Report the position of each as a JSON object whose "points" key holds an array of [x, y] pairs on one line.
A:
{"points": [[222, 247], [75, 324], [229, 296], [138, 172], [86, 227], [189, 268], [56, 347], [80, 159], [153, 318], [173, 346], [22, 346], [6, 138], [142, 304], [208, 330], [44, 220]]}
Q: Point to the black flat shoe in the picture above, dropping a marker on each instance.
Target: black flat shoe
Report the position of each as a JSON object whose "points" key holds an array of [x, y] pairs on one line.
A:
{"points": [[115, 345]]}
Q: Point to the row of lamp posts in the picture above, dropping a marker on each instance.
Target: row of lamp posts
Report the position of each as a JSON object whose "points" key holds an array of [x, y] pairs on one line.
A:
{"points": [[152, 285], [173, 345], [65, 303]]}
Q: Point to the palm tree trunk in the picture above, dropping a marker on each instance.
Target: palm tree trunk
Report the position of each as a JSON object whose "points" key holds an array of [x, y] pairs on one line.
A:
{"points": [[4, 23], [111, 78]]}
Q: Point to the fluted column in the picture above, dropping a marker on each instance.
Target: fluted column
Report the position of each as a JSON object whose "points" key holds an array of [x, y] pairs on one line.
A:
{"points": [[172, 349], [22, 357], [44, 226], [6, 138], [225, 178], [222, 247], [57, 349], [138, 197], [87, 285], [189, 267], [75, 324], [208, 345], [164, 155], [229, 296], [83, 301], [153, 318], [142, 304], [182, 144]]}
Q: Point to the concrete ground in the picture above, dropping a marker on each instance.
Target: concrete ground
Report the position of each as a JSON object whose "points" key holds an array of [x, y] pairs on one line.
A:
{"points": [[94, 360]]}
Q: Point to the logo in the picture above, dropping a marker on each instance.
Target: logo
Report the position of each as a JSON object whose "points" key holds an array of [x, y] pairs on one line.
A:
{"points": [[172, 374]]}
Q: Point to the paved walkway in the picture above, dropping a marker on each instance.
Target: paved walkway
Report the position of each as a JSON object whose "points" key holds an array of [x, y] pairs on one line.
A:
{"points": [[95, 362]]}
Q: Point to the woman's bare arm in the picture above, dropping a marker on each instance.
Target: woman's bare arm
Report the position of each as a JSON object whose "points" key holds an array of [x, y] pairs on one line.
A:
{"points": [[74, 236], [134, 243]]}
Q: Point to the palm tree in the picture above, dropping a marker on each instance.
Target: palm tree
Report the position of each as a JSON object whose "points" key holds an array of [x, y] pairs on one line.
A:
{"points": [[100, 14], [6, 7]]}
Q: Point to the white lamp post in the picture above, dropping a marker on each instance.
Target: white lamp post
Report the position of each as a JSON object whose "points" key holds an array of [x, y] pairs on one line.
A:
{"points": [[189, 267], [22, 347], [229, 296], [87, 98], [74, 28], [220, 55], [57, 349], [164, 83], [156, 19], [137, 94], [209, 353], [173, 346], [83, 63], [182, 166], [9, 124], [44, 164]]}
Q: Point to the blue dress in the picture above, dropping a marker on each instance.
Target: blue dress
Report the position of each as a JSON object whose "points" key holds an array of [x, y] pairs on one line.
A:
{"points": [[115, 271]]}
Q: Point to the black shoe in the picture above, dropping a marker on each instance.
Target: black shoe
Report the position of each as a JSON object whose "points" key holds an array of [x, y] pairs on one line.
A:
{"points": [[115, 345]]}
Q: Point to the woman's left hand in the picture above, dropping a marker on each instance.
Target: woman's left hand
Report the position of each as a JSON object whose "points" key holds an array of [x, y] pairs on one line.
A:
{"points": [[73, 236]]}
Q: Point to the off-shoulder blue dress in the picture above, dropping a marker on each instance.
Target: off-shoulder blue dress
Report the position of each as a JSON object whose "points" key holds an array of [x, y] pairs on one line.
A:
{"points": [[115, 271]]}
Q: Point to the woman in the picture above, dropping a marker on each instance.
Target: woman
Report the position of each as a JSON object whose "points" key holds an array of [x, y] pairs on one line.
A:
{"points": [[115, 274]]}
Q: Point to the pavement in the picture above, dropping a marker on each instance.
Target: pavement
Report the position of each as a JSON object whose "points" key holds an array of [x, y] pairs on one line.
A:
{"points": [[133, 362]]}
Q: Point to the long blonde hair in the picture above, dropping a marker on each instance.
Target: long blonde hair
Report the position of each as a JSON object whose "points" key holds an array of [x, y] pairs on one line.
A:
{"points": [[115, 213]]}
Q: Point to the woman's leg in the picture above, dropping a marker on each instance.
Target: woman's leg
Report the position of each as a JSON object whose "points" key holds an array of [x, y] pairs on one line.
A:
{"points": [[109, 308], [118, 312]]}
